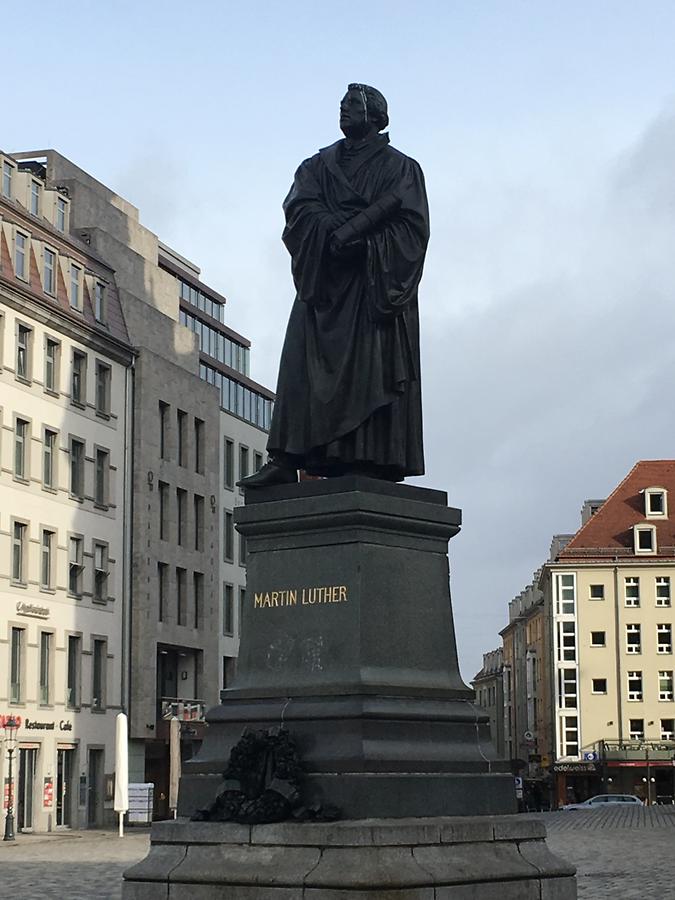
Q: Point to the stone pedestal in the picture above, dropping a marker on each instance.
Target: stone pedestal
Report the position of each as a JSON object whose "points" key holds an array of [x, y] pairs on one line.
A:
{"points": [[348, 640], [466, 858]]}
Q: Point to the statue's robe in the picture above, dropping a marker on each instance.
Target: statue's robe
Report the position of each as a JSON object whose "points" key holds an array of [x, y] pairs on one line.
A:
{"points": [[348, 394]]}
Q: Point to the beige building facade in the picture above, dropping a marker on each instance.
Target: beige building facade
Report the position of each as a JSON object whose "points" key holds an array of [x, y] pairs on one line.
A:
{"points": [[610, 591], [65, 413]]}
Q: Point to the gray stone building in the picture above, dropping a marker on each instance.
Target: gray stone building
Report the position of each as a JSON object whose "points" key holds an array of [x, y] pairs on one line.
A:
{"points": [[198, 422]]}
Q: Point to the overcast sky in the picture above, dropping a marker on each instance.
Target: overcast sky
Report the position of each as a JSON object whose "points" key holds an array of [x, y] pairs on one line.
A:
{"points": [[546, 132]]}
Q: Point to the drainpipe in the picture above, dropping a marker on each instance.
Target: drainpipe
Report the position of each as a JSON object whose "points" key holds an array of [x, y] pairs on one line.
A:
{"points": [[127, 560]]}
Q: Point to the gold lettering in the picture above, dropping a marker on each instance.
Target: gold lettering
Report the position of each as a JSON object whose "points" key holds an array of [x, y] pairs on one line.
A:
{"points": [[310, 596]]}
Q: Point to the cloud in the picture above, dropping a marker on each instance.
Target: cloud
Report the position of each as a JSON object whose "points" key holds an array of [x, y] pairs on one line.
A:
{"points": [[546, 392]]}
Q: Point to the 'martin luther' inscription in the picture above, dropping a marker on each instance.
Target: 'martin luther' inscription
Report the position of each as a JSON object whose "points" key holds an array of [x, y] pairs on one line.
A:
{"points": [[301, 597]]}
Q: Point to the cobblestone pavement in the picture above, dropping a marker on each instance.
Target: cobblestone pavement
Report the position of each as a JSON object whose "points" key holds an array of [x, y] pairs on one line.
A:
{"points": [[620, 854], [623, 854]]}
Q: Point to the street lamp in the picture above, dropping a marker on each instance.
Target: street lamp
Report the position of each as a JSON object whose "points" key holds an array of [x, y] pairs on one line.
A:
{"points": [[10, 726]]}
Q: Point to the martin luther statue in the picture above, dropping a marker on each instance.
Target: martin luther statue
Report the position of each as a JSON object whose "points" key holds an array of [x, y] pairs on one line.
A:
{"points": [[357, 227]]}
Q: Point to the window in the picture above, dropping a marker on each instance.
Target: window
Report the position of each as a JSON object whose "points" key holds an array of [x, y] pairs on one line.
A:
{"points": [[567, 644], [79, 384], [163, 511], [663, 591], [19, 539], [598, 639], [199, 446], [49, 458], [163, 433], [47, 560], [633, 639], [45, 667], [228, 609], [17, 650], [228, 536], [242, 550], [632, 591], [243, 462], [49, 272], [228, 463], [635, 685], [21, 448], [74, 669], [35, 198], [199, 522], [7, 173], [102, 477], [61, 211], [636, 729], [656, 504], [570, 736], [597, 592], [75, 286], [665, 685], [20, 263], [567, 688], [644, 537], [162, 575], [181, 424], [23, 353], [599, 685], [181, 515], [664, 638], [99, 666], [667, 729], [75, 564], [52, 357], [100, 572], [257, 461], [198, 592], [99, 302], [77, 468], [181, 599], [103, 376], [242, 604]]}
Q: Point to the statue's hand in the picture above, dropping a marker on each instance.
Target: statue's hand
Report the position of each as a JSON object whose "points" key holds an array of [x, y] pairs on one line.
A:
{"points": [[347, 250]]}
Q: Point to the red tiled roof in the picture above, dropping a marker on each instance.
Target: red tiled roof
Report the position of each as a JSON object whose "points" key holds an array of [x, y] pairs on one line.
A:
{"points": [[610, 531]]}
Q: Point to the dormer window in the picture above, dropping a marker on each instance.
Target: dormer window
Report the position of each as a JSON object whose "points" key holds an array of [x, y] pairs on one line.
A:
{"points": [[644, 537], [7, 175], [656, 503]]}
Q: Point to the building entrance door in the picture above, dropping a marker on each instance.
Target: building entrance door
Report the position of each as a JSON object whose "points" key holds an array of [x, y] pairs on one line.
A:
{"points": [[65, 766], [95, 796], [26, 788]]}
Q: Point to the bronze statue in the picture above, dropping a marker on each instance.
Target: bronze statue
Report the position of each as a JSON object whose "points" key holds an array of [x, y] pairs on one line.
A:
{"points": [[357, 227]]}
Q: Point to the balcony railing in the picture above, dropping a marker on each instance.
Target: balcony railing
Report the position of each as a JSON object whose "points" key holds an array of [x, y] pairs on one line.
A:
{"points": [[184, 710]]}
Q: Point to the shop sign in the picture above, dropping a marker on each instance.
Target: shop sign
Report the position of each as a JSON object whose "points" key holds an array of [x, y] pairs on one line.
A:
{"points": [[32, 725], [6, 797], [575, 768], [48, 794], [33, 610]]}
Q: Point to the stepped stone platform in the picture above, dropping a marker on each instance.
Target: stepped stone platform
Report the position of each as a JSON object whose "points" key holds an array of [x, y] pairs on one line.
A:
{"points": [[449, 858]]}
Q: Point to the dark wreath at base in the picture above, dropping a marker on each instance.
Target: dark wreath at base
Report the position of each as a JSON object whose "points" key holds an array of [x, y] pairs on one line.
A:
{"points": [[262, 784]]}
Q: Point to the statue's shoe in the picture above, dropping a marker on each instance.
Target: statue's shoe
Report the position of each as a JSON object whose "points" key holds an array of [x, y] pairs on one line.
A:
{"points": [[270, 474]]}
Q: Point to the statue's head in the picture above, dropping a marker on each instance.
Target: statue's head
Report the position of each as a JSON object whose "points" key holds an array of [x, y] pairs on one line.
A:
{"points": [[363, 111]]}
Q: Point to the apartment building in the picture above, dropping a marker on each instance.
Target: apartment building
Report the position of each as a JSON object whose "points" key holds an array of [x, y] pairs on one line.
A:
{"points": [[199, 421], [65, 412], [489, 687], [610, 592]]}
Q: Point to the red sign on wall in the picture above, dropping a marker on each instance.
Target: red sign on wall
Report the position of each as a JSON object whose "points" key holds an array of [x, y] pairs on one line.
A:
{"points": [[48, 794], [6, 794]]}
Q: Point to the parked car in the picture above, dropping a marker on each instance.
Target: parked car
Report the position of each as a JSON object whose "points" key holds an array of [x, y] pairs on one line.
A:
{"points": [[602, 800]]}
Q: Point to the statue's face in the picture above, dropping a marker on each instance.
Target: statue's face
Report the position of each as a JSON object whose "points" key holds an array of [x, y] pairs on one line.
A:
{"points": [[353, 115]]}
